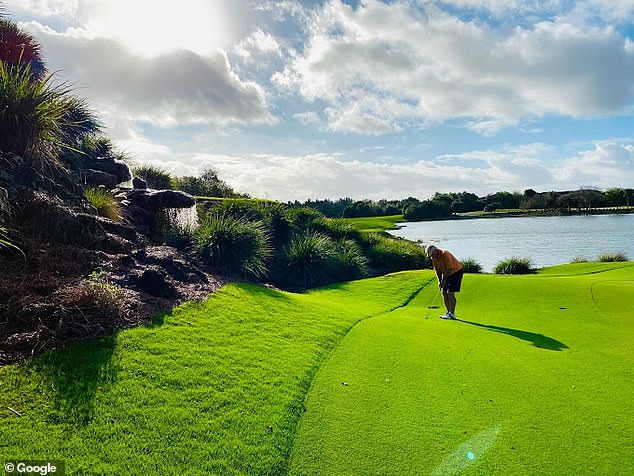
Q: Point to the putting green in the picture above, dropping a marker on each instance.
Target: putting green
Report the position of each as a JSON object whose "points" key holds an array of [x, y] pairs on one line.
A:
{"points": [[536, 378]]}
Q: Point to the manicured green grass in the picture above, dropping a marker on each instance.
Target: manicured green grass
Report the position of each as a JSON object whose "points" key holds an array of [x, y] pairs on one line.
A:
{"points": [[377, 224], [210, 388], [536, 378]]}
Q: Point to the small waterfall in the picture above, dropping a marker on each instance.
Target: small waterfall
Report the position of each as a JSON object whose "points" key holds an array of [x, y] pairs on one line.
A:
{"points": [[185, 219]]}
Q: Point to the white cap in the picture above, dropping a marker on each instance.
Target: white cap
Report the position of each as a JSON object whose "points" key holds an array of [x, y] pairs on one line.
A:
{"points": [[430, 250]]}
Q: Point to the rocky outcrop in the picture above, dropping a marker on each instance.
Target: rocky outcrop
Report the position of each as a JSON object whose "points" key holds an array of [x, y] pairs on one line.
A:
{"points": [[110, 166], [143, 207]]}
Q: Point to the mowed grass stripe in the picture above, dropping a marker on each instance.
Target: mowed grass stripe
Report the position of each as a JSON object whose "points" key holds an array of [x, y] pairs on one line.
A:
{"points": [[534, 380], [212, 388]]}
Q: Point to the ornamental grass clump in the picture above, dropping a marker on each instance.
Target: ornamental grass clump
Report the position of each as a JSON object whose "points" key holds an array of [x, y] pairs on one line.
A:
{"points": [[514, 265], [470, 265], [612, 257], [387, 254], [308, 260], [234, 244], [105, 203]]}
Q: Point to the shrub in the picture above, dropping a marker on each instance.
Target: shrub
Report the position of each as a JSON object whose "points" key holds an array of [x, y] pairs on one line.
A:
{"points": [[612, 257], [348, 261], [387, 254], [470, 265], [33, 115], [579, 259], [18, 48], [105, 203], [92, 302], [155, 177], [337, 228], [514, 265], [183, 239], [234, 244], [307, 259]]}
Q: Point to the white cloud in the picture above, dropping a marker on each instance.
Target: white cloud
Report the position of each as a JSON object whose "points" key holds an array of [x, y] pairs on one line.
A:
{"points": [[45, 8], [180, 87], [258, 44], [451, 68]]}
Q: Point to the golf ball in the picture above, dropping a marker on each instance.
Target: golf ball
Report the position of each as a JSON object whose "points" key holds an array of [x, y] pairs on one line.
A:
{"points": [[470, 455]]}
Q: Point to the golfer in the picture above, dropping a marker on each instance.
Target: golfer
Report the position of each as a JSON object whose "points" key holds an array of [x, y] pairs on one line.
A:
{"points": [[449, 272]]}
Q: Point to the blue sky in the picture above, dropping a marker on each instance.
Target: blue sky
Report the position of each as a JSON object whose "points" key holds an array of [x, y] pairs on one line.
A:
{"points": [[364, 99]]}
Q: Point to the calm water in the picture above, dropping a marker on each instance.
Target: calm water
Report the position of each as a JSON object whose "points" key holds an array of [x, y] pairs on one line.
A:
{"points": [[545, 240]]}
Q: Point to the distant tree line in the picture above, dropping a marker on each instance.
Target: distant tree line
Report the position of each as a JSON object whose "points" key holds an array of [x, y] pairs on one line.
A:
{"points": [[444, 205]]}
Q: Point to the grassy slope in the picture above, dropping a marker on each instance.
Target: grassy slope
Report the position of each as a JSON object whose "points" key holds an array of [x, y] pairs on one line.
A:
{"points": [[211, 388], [523, 387]]}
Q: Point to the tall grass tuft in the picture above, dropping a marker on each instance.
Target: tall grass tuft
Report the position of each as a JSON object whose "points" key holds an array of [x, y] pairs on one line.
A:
{"points": [[386, 254], [105, 203], [7, 244], [156, 177], [235, 244], [514, 265], [348, 261], [18, 47], [34, 115], [307, 260], [613, 257], [470, 265]]}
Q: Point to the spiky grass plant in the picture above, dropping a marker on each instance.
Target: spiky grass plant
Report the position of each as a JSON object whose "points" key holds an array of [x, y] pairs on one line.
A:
{"points": [[348, 261], [234, 244], [470, 265], [18, 47], [155, 177], [612, 257], [307, 260], [6, 244], [105, 203], [34, 115], [514, 265], [386, 254]]}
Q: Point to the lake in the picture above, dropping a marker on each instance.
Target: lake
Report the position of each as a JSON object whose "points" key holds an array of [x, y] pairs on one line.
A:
{"points": [[546, 241]]}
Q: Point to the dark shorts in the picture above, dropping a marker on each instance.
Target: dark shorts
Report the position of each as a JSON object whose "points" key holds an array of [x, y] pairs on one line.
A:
{"points": [[453, 282]]}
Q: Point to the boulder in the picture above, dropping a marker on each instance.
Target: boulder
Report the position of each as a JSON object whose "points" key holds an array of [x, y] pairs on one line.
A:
{"points": [[154, 200], [153, 281], [115, 167], [46, 217], [96, 178], [139, 183]]}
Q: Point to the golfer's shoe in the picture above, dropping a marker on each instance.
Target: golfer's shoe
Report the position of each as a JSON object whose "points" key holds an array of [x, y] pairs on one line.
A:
{"points": [[453, 316], [447, 315]]}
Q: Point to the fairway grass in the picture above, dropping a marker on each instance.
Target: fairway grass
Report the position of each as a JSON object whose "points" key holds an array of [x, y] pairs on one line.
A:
{"points": [[351, 379], [536, 378], [211, 388], [377, 224]]}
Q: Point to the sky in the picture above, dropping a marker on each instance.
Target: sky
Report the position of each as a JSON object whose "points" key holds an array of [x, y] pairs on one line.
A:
{"points": [[298, 100]]}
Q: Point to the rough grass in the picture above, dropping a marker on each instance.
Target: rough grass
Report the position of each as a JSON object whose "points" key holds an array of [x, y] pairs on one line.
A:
{"points": [[532, 380]]}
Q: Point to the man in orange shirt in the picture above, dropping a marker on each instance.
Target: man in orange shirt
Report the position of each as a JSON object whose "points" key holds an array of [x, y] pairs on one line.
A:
{"points": [[449, 272]]}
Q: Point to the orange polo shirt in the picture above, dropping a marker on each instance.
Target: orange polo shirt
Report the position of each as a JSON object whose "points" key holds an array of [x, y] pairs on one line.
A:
{"points": [[444, 263]]}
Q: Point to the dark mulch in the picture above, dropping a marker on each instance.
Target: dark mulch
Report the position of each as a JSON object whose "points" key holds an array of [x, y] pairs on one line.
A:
{"points": [[39, 308]]}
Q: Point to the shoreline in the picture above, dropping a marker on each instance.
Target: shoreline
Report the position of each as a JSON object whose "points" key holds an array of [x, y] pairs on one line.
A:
{"points": [[538, 213]]}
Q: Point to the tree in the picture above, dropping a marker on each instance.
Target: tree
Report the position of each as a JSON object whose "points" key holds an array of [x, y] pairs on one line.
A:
{"points": [[616, 197]]}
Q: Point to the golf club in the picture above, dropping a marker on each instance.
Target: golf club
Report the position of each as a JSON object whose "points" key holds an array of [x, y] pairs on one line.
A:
{"points": [[431, 303]]}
